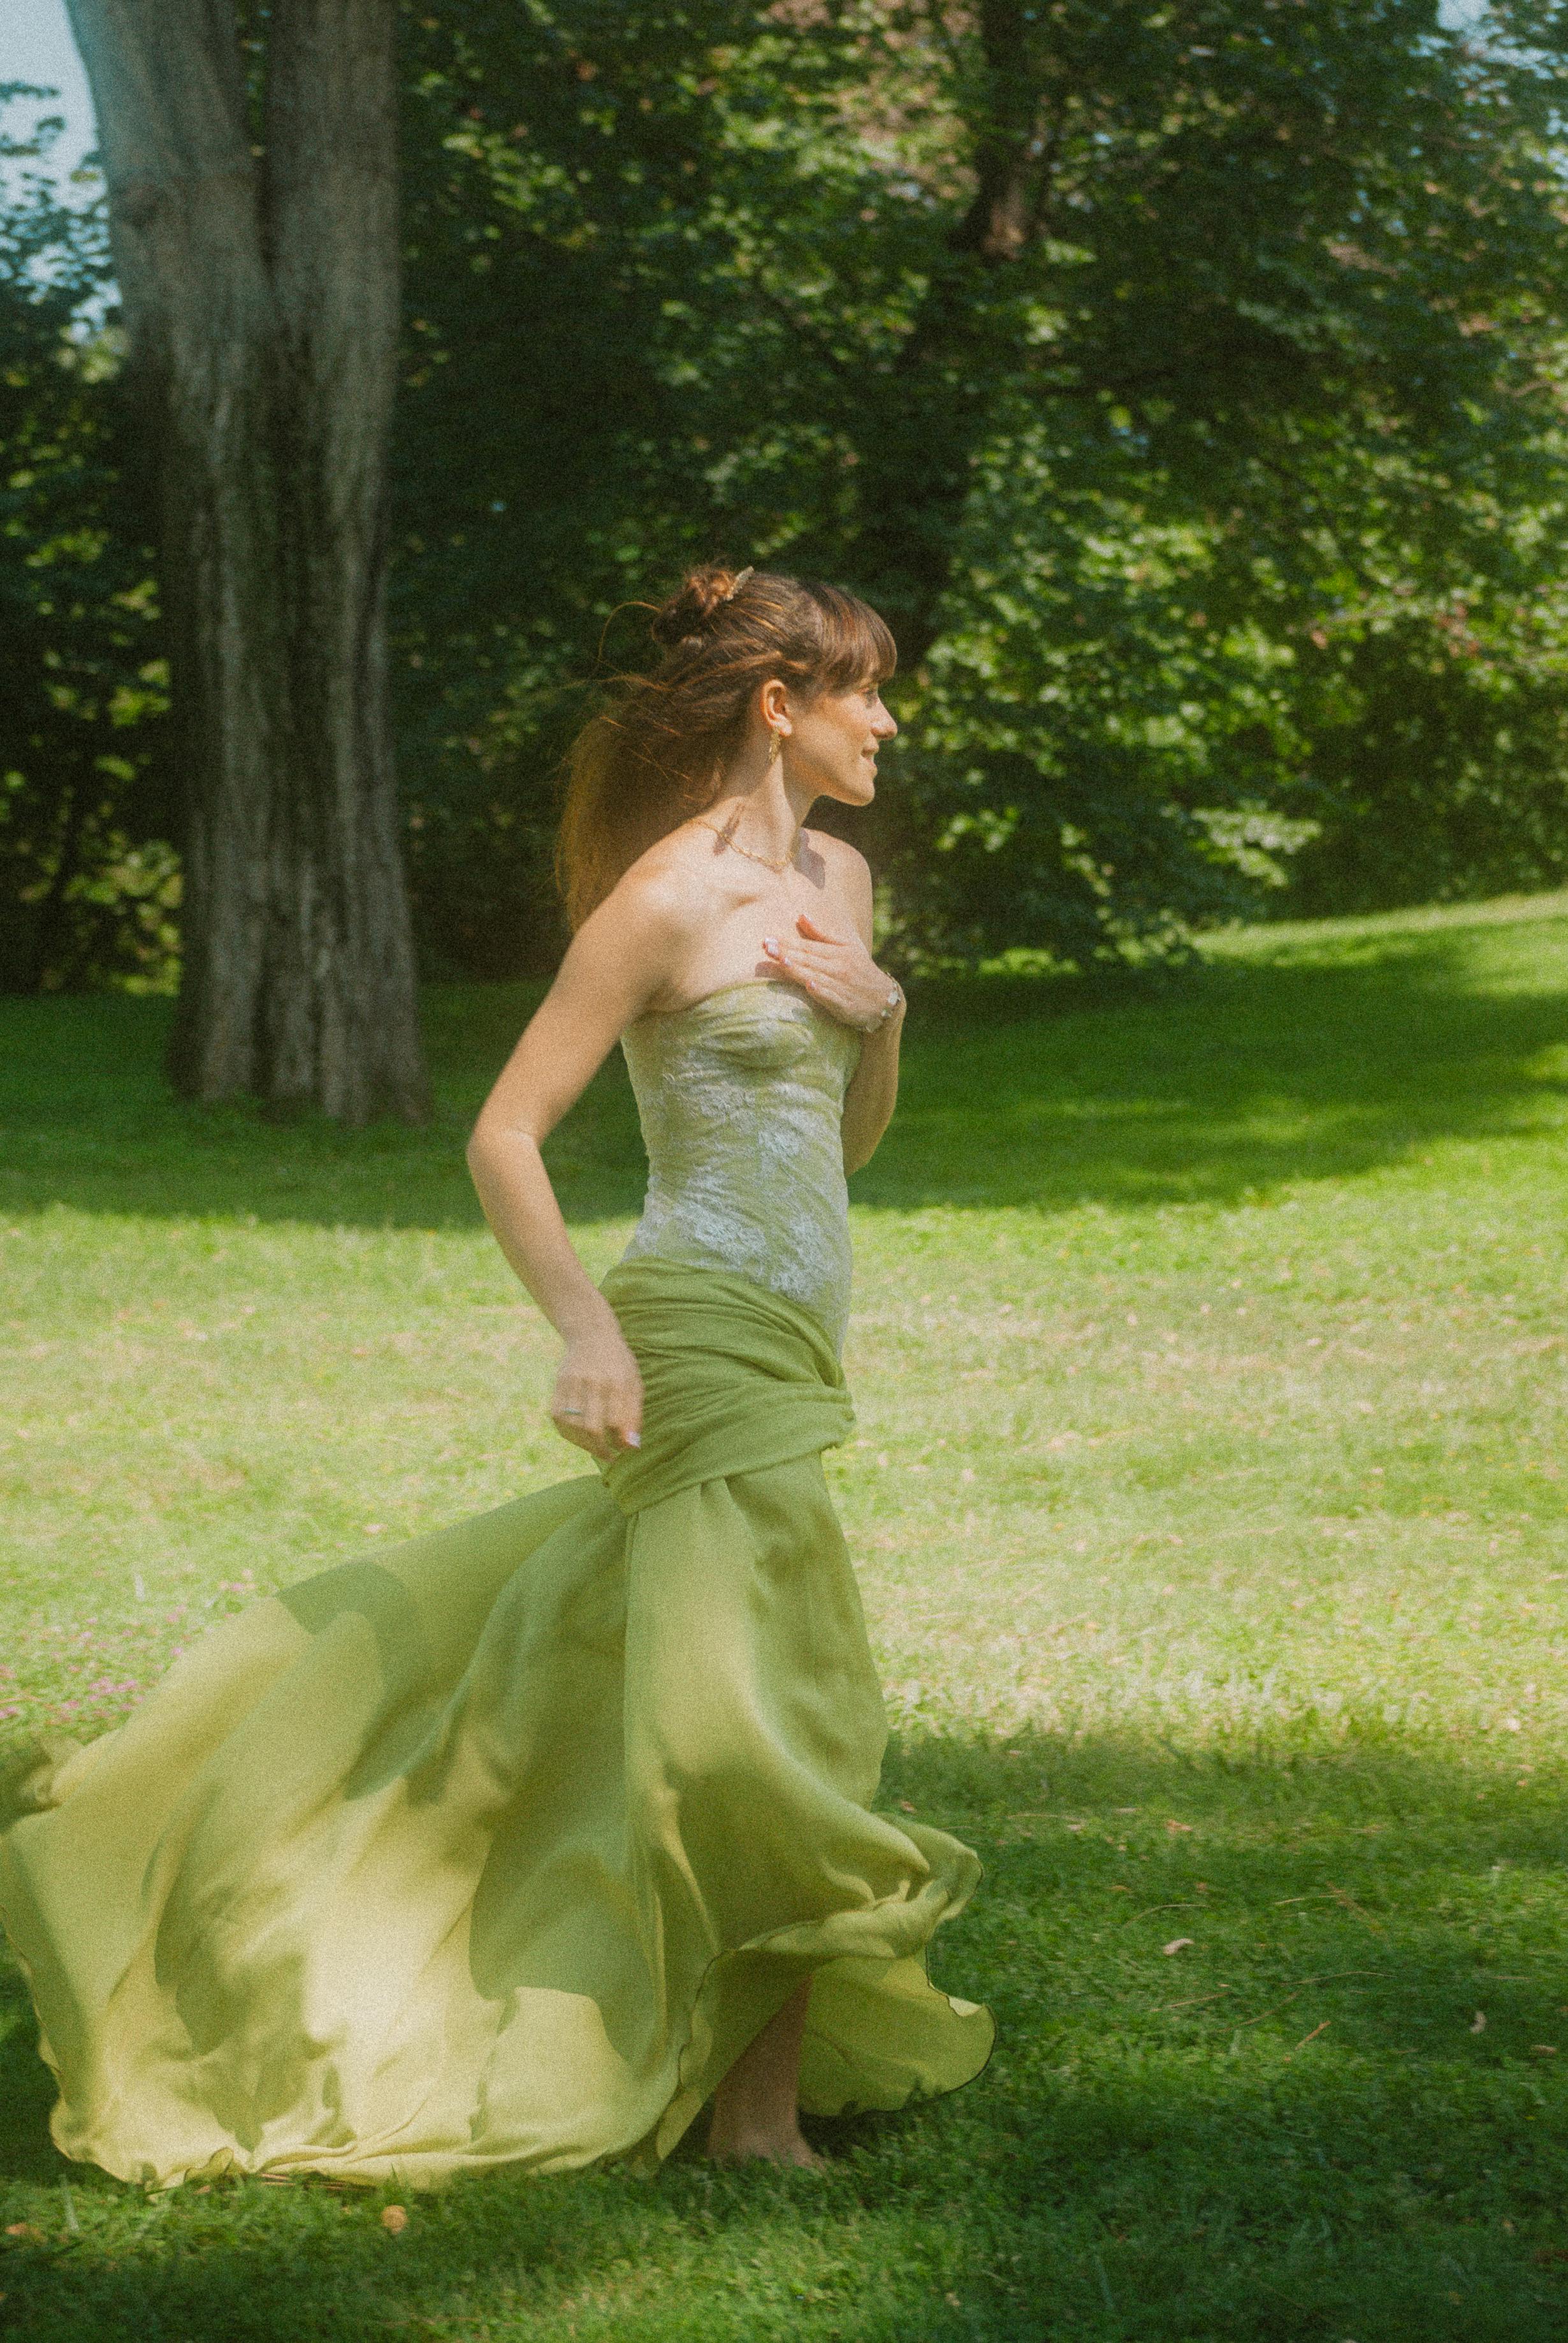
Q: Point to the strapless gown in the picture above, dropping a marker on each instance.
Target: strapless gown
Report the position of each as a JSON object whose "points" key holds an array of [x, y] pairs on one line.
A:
{"points": [[501, 1847]]}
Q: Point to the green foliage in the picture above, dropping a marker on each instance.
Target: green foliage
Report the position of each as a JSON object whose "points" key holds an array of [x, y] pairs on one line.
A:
{"points": [[1208, 1499], [1182, 380], [589, 401], [89, 885]]}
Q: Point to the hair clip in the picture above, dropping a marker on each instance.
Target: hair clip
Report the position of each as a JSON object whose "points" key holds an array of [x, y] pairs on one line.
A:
{"points": [[737, 585]]}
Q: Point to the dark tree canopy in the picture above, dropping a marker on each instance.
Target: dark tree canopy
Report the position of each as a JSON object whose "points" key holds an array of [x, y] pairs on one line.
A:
{"points": [[1184, 380], [83, 684]]}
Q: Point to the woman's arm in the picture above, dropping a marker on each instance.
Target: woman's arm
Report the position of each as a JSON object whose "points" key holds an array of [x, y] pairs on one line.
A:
{"points": [[616, 963], [873, 1092], [840, 972]]}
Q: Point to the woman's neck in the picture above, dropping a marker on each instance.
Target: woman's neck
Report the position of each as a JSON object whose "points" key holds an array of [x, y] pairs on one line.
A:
{"points": [[767, 814]]}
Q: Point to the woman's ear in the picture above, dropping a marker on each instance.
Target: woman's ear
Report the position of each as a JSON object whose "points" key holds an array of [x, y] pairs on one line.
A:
{"points": [[775, 703]]}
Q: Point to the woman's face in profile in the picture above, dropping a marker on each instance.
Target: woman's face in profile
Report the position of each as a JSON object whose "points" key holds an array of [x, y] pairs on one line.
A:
{"points": [[834, 740]]}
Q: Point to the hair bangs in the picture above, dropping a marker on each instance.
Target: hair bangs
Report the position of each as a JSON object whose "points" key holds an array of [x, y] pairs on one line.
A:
{"points": [[859, 652]]}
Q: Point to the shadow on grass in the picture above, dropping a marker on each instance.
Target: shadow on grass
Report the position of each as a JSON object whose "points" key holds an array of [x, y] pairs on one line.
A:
{"points": [[1288, 1065], [1244, 1075], [1292, 2126], [89, 1121]]}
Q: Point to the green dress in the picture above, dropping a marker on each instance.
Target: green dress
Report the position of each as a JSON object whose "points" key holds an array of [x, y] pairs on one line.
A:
{"points": [[500, 1847]]}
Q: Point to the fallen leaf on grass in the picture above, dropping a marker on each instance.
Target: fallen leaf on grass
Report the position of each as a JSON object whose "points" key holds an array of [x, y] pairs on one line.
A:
{"points": [[1548, 2254], [1176, 1828], [1543, 2049], [1177, 1944], [1478, 2023], [394, 2220], [28, 2229]]}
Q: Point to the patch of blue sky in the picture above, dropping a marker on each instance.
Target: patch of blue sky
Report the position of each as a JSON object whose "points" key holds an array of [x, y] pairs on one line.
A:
{"points": [[37, 48]]}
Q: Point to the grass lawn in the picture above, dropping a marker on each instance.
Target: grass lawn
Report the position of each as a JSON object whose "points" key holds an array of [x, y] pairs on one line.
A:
{"points": [[1209, 1497]]}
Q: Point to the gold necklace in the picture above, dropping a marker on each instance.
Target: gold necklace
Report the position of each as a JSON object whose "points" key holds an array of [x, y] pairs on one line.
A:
{"points": [[767, 860]]}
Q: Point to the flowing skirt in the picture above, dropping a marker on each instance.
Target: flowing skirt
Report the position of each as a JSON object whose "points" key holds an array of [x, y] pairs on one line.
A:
{"points": [[501, 1848]]}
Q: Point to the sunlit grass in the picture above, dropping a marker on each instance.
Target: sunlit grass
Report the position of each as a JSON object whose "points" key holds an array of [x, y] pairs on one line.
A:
{"points": [[1208, 1496]]}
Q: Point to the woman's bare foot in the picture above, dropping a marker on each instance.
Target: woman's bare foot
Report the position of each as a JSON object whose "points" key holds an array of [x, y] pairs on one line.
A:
{"points": [[766, 2149], [755, 2111]]}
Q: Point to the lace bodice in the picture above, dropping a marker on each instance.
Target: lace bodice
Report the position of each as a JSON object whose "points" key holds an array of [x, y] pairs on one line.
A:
{"points": [[742, 1097]]}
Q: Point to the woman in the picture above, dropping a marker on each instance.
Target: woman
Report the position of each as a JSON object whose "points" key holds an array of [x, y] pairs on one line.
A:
{"points": [[525, 1841]]}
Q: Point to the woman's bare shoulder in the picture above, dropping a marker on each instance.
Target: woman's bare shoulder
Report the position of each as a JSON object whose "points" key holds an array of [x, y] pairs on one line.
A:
{"points": [[673, 882], [847, 872], [655, 908], [844, 863]]}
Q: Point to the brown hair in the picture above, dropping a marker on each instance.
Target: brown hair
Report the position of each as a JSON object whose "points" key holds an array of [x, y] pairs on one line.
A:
{"points": [[654, 755]]}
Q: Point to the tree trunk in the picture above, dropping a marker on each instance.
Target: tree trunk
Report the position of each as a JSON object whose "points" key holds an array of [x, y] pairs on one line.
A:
{"points": [[261, 311], [918, 475]]}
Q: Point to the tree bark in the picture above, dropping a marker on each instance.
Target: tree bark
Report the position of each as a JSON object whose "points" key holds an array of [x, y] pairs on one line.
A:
{"points": [[918, 478], [261, 309]]}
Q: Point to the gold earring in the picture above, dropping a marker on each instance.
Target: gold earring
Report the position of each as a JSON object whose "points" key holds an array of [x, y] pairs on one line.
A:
{"points": [[775, 746]]}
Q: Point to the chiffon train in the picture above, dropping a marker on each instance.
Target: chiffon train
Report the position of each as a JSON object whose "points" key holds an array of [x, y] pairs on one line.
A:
{"points": [[501, 1846]]}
